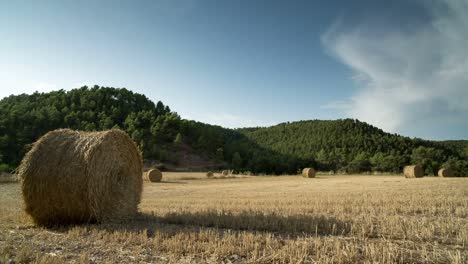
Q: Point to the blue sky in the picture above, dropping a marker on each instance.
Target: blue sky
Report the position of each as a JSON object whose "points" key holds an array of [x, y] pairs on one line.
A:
{"points": [[401, 66]]}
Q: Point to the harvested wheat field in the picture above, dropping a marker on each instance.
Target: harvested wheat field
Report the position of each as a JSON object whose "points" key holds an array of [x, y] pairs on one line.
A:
{"points": [[189, 218]]}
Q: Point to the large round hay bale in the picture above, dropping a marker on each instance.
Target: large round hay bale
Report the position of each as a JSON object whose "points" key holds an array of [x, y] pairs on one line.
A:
{"points": [[225, 173], [308, 173], [413, 171], [209, 174], [78, 177], [154, 175], [445, 172]]}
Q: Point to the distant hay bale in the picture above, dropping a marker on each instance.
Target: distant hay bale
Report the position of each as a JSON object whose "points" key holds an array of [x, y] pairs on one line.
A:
{"points": [[413, 171], [209, 174], [308, 173], [445, 172], [225, 173], [154, 175], [73, 177]]}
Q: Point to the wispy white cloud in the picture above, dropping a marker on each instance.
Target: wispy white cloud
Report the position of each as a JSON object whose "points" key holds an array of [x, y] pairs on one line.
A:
{"points": [[407, 77]]}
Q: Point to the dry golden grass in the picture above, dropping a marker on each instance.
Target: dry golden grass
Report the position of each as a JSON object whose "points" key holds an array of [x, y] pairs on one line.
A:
{"points": [[8, 178], [169, 177], [290, 219]]}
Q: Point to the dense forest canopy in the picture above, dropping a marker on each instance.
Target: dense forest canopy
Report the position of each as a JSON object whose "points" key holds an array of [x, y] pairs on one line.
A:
{"points": [[353, 146], [339, 145]]}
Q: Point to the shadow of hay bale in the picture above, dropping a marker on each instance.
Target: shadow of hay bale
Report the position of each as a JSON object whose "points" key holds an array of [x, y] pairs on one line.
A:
{"points": [[176, 222], [172, 182], [295, 225], [228, 177], [258, 221]]}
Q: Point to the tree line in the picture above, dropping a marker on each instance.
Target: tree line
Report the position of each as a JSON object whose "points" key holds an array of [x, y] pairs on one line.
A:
{"points": [[352, 146], [340, 145]]}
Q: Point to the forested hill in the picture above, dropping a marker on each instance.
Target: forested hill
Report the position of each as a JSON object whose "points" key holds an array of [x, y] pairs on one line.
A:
{"points": [[339, 145], [354, 146]]}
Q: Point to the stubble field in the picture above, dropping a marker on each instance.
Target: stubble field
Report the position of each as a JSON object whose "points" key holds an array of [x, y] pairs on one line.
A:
{"points": [[288, 219]]}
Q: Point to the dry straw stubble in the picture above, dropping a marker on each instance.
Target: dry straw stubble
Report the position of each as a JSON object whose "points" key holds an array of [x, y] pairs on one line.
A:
{"points": [[74, 177], [7, 177]]}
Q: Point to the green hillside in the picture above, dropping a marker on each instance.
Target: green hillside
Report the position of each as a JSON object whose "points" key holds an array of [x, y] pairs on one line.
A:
{"points": [[339, 145], [161, 134], [353, 146]]}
